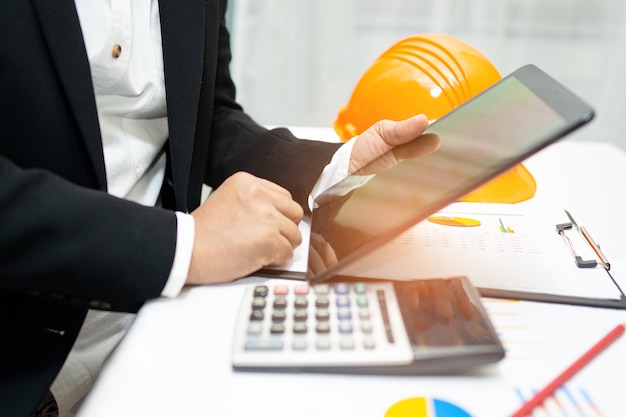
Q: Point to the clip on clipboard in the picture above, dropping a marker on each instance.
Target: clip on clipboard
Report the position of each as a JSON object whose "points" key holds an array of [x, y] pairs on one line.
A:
{"points": [[580, 262]]}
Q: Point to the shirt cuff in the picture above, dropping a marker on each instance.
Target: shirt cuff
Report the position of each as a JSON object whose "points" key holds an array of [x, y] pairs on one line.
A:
{"points": [[185, 234], [335, 171]]}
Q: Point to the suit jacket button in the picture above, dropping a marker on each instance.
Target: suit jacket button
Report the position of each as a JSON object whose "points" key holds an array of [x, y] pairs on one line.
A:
{"points": [[116, 51]]}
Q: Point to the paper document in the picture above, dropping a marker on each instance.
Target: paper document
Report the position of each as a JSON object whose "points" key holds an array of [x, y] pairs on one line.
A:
{"points": [[498, 247]]}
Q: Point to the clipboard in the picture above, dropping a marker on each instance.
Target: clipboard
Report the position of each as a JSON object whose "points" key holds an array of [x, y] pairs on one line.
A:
{"points": [[513, 253]]}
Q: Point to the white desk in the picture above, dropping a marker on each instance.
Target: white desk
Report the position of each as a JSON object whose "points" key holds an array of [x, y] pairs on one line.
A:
{"points": [[175, 360]]}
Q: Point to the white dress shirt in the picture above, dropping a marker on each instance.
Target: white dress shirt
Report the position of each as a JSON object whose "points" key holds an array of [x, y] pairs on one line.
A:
{"points": [[123, 43]]}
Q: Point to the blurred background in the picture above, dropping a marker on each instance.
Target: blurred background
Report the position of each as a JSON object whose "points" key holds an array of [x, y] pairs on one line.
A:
{"points": [[296, 62]]}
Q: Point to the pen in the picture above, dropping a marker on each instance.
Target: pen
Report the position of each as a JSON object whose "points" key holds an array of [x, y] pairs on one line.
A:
{"points": [[596, 248], [560, 380]]}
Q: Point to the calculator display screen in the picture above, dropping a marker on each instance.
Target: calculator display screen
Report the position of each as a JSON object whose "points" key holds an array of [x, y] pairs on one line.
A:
{"points": [[443, 312]]}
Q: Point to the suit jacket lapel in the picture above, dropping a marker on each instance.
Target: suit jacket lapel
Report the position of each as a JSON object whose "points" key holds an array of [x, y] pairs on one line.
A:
{"points": [[61, 27], [183, 56]]}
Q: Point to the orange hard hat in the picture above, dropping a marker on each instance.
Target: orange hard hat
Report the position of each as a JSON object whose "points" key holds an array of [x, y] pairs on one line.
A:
{"points": [[430, 74]]}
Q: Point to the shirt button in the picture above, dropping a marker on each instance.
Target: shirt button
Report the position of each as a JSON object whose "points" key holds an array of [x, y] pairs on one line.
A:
{"points": [[116, 51]]}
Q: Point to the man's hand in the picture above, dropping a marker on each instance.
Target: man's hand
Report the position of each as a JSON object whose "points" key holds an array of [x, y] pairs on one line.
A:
{"points": [[399, 137], [247, 223]]}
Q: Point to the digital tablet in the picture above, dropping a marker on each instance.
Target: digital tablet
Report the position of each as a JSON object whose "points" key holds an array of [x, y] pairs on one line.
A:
{"points": [[486, 136]]}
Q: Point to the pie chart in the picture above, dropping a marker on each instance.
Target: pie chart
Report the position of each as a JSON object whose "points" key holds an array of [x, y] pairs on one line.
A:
{"points": [[454, 221], [425, 407]]}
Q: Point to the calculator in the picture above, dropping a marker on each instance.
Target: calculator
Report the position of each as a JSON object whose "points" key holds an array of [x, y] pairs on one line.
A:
{"points": [[364, 326]]}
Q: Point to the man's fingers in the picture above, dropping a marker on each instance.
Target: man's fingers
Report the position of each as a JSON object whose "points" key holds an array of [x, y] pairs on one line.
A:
{"points": [[282, 200], [289, 208], [290, 231], [397, 133], [422, 146]]}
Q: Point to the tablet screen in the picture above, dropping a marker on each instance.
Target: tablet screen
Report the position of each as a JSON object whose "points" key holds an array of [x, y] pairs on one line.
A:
{"points": [[479, 140]]}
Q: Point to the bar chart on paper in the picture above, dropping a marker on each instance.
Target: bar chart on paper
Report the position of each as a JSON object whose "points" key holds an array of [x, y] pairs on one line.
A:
{"points": [[425, 407], [533, 345], [566, 401]]}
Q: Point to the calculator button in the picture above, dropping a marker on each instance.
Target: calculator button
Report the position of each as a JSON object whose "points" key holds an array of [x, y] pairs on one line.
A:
{"points": [[301, 290], [344, 313], [347, 343], [322, 314], [281, 290], [368, 343], [260, 291], [258, 303], [364, 314], [362, 301], [280, 302], [360, 288], [299, 343], [300, 315], [322, 327], [322, 302], [321, 289], [257, 315], [366, 327], [342, 288], [277, 328], [278, 316], [323, 344], [345, 326], [301, 302], [343, 301], [299, 327], [255, 328], [264, 344]]}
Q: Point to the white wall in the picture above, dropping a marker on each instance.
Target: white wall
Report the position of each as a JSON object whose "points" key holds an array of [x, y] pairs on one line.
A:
{"points": [[295, 62]]}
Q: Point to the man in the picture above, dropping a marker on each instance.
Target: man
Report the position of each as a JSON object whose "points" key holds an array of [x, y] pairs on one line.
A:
{"points": [[112, 116]]}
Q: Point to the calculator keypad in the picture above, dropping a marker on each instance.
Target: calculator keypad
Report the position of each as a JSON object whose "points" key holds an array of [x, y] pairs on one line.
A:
{"points": [[296, 324]]}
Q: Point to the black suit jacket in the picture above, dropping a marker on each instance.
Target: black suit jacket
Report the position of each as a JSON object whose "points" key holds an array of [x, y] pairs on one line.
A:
{"points": [[65, 244]]}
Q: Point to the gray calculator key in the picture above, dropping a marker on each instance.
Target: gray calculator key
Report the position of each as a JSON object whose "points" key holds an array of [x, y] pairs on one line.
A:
{"points": [[280, 302], [366, 327], [278, 316], [277, 328], [322, 314], [255, 328], [264, 344], [347, 343], [322, 302], [257, 315], [301, 302], [258, 303], [299, 343], [323, 343], [299, 327], [300, 315], [322, 327], [260, 291], [321, 289]]}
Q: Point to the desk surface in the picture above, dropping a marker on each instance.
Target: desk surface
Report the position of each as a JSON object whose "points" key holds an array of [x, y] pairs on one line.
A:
{"points": [[175, 360]]}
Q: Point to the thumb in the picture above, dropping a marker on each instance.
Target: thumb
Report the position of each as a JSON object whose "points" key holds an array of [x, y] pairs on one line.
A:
{"points": [[398, 133]]}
